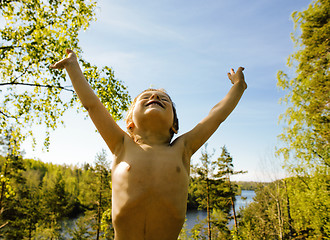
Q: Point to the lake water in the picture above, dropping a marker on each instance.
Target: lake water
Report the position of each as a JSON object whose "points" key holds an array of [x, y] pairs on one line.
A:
{"points": [[193, 215]]}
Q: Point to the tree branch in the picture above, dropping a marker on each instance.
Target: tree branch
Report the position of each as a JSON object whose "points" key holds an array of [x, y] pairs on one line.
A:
{"points": [[7, 116], [37, 85], [22, 73], [6, 47], [302, 179], [3, 225]]}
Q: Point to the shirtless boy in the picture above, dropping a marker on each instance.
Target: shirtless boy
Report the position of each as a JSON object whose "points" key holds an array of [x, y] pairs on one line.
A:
{"points": [[150, 173]]}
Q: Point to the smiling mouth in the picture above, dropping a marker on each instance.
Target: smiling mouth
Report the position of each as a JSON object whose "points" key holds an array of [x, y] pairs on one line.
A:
{"points": [[155, 102]]}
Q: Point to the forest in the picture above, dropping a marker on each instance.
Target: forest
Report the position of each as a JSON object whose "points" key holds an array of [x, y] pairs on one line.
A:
{"points": [[47, 201], [37, 198]]}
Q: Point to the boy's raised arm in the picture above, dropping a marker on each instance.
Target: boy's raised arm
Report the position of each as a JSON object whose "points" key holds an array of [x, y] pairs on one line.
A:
{"points": [[195, 138], [112, 134]]}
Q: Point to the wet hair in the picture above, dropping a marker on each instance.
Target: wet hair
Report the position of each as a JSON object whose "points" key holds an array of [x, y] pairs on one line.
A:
{"points": [[175, 126]]}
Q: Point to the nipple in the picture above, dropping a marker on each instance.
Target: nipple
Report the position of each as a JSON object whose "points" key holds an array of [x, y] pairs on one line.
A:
{"points": [[128, 167]]}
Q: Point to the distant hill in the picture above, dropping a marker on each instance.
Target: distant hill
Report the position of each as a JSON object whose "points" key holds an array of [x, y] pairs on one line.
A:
{"points": [[249, 185]]}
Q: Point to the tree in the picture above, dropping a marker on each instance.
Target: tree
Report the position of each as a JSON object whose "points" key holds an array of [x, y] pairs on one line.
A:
{"points": [[42, 195], [225, 170], [213, 194], [97, 196], [205, 174], [103, 189], [272, 216], [81, 229], [23, 209], [309, 206], [5, 187], [307, 134], [56, 198], [13, 209], [257, 218], [33, 35], [268, 217], [12, 190]]}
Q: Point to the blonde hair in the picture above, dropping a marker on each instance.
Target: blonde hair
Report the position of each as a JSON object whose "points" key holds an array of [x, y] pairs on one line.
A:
{"points": [[129, 116]]}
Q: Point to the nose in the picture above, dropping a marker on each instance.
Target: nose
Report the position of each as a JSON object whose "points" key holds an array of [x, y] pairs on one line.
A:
{"points": [[155, 96]]}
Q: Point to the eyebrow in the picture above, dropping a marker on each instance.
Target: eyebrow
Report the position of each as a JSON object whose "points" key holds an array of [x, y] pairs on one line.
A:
{"points": [[159, 93]]}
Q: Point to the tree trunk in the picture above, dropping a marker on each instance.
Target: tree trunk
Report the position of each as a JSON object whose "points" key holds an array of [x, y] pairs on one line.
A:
{"points": [[279, 212], [288, 210], [99, 210], [98, 222], [208, 209], [233, 205], [234, 213], [279, 217]]}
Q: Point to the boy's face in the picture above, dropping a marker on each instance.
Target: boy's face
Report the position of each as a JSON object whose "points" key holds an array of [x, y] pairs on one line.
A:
{"points": [[154, 107]]}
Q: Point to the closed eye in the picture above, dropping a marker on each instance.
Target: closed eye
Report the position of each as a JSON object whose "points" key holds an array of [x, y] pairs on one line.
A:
{"points": [[145, 97]]}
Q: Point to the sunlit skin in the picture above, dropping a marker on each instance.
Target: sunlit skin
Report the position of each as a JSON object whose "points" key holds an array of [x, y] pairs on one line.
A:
{"points": [[150, 172]]}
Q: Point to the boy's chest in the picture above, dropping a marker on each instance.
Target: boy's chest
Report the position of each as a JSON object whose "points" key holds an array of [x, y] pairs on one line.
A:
{"points": [[150, 167]]}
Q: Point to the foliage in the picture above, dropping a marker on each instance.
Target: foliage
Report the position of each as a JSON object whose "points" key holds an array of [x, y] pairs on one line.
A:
{"points": [[45, 194], [101, 195], [106, 225], [34, 34], [249, 185], [81, 229], [307, 133], [283, 210], [211, 183], [214, 192], [51, 232], [226, 169], [264, 218], [310, 205]]}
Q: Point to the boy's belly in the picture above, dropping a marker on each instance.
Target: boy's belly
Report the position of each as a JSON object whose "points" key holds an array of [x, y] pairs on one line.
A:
{"points": [[149, 202], [147, 222]]}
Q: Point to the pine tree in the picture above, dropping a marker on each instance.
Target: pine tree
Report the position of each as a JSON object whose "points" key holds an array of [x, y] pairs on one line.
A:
{"points": [[215, 192]]}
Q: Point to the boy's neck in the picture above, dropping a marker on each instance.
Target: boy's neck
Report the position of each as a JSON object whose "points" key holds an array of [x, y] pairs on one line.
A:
{"points": [[152, 139]]}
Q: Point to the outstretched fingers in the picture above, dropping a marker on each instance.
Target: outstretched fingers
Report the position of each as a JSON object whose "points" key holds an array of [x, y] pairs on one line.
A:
{"points": [[236, 76], [240, 69], [232, 71], [230, 77], [231, 74]]}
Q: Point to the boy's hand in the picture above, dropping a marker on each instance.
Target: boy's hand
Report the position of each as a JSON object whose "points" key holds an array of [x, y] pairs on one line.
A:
{"points": [[237, 77], [69, 59]]}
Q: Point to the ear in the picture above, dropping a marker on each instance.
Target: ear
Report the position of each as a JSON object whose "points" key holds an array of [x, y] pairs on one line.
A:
{"points": [[130, 126]]}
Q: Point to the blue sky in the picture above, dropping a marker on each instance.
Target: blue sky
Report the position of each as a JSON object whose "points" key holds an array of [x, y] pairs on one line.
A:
{"points": [[187, 47]]}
